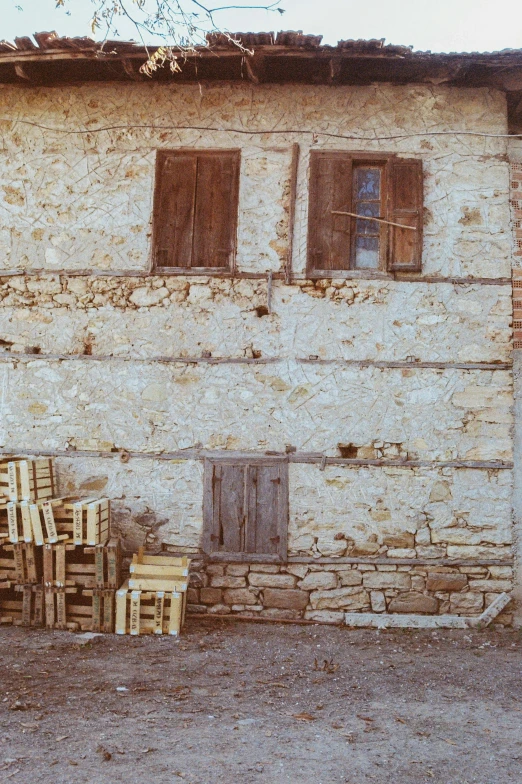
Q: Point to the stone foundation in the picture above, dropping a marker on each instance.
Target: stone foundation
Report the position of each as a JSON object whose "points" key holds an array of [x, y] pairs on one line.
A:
{"points": [[324, 592]]}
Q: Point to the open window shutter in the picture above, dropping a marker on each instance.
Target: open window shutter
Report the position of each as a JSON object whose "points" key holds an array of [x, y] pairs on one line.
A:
{"points": [[330, 189], [266, 530], [406, 208], [216, 208], [174, 209]]}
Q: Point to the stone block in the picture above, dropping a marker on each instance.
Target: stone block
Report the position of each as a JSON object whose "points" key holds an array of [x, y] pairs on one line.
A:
{"points": [[501, 572], [319, 581], [330, 549], [285, 599], [271, 580], [227, 581], [197, 609], [466, 603], [237, 570], [401, 552], [215, 569], [192, 596], [198, 579], [266, 568], [324, 616], [350, 577], [413, 602], [219, 609], [378, 601], [400, 540], [495, 586], [363, 549], [446, 582], [211, 595], [300, 570], [400, 580], [280, 614], [418, 583], [239, 596], [478, 551], [340, 598], [423, 536], [430, 551]]}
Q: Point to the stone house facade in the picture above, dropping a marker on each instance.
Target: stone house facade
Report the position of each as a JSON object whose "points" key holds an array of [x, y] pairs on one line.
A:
{"points": [[319, 407]]}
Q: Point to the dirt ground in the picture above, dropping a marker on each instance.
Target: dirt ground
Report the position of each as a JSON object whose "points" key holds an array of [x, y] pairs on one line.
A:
{"points": [[245, 702]]}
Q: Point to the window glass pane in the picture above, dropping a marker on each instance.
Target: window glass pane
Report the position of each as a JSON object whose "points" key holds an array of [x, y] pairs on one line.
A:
{"points": [[367, 252], [368, 184], [368, 208]]}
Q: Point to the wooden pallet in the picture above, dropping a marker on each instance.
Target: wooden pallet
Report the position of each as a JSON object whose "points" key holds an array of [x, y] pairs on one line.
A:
{"points": [[149, 612], [79, 609], [83, 567], [158, 573], [21, 563], [78, 520], [22, 605], [24, 479]]}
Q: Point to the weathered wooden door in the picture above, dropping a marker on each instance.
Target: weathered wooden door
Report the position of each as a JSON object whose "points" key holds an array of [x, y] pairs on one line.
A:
{"points": [[246, 507]]}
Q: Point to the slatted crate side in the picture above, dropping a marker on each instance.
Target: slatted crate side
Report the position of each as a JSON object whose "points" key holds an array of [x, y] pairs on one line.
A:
{"points": [[79, 609], [15, 522], [78, 520], [149, 612], [85, 567], [25, 479], [22, 605], [25, 562], [158, 573]]}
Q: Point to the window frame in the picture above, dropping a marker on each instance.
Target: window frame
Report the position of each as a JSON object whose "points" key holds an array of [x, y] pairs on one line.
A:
{"points": [[386, 268], [208, 509], [161, 155]]}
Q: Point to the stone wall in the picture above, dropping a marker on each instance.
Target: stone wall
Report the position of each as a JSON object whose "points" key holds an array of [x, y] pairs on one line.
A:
{"points": [[325, 591], [130, 378]]}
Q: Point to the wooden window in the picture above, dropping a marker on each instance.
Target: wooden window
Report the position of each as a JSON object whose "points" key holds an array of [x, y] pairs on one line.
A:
{"points": [[344, 186], [195, 210], [246, 507]]}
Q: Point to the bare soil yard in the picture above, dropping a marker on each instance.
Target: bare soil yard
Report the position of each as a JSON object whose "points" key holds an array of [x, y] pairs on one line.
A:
{"points": [[244, 702]]}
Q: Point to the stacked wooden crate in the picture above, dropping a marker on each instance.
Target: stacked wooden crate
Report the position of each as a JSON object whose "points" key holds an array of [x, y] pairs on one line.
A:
{"points": [[153, 599], [57, 564]]}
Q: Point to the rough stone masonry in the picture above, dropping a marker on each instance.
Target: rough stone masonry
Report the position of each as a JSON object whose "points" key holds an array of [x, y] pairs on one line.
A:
{"points": [[99, 355]]}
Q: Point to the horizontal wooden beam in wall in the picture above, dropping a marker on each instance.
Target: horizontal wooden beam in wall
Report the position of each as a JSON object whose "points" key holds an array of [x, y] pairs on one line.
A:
{"points": [[344, 275], [31, 357], [197, 453]]}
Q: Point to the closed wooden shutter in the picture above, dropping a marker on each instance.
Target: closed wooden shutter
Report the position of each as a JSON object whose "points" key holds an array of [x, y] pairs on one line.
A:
{"points": [[330, 189], [245, 508], [267, 509], [195, 209], [216, 210], [406, 208], [174, 209]]}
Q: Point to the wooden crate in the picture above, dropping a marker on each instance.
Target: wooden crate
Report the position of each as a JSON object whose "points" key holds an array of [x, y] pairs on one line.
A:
{"points": [[25, 479], [149, 612], [158, 573], [98, 567], [22, 605], [15, 522], [78, 520], [21, 563], [79, 609]]}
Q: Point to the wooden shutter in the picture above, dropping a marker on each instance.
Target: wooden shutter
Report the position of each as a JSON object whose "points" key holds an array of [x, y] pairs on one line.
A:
{"points": [[225, 494], [405, 207], [330, 189], [174, 209], [195, 209], [215, 216], [266, 527]]}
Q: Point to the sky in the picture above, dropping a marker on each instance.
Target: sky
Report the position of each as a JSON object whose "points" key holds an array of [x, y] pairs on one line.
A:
{"points": [[436, 25]]}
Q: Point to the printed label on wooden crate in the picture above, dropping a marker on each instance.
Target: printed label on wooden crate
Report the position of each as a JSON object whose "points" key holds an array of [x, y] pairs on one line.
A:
{"points": [[158, 612], [18, 555], [96, 611], [61, 620], [135, 613], [27, 596], [49, 608], [30, 562], [36, 524], [12, 481], [78, 523], [50, 525], [108, 611], [27, 530], [25, 484], [12, 522], [99, 558]]}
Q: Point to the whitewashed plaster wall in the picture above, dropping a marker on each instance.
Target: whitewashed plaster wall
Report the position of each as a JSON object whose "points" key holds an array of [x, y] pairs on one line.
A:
{"points": [[81, 203]]}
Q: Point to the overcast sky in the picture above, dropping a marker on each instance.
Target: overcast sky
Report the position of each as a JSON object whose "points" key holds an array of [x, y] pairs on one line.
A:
{"points": [[439, 25]]}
